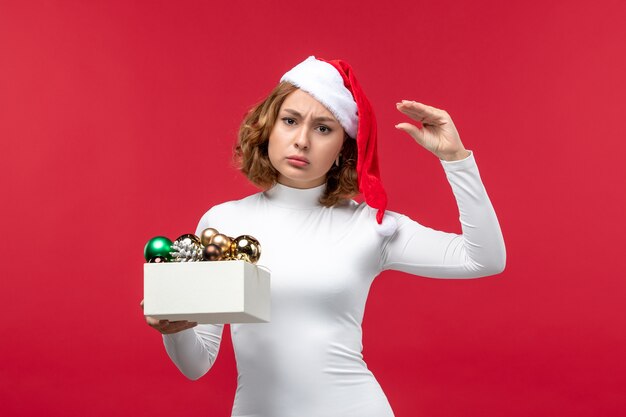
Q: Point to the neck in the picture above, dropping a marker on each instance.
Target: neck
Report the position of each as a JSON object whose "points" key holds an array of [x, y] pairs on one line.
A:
{"points": [[299, 184], [291, 197]]}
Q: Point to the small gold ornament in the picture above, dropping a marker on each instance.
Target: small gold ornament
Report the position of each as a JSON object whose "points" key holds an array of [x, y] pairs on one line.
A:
{"points": [[223, 242], [246, 248], [189, 238], [211, 252], [206, 236]]}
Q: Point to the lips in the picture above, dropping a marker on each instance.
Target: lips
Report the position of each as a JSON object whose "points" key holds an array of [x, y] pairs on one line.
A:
{"points": [[298, 159]]}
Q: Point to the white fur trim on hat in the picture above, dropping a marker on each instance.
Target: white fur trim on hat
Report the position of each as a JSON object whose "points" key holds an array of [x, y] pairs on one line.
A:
{"points": [[321, 80]]}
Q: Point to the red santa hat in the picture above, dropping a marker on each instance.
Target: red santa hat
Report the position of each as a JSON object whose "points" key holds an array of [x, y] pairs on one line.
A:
{"points": [[333, 83]]}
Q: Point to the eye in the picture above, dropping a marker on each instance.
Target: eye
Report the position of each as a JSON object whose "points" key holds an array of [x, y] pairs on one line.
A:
{"points": [[289, 121], [324, 129]]}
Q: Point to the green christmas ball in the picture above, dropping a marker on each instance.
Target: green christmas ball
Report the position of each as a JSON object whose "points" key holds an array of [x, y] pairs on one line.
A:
{"points": [[157, 260], [158, 246]]}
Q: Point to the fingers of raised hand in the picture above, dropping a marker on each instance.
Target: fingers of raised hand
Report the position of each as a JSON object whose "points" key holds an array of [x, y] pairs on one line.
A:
{"points": [[414, 131], [423, 113]]}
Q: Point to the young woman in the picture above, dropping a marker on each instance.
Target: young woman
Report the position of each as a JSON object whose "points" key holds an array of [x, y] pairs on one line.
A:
{"points": [[311, 145]]}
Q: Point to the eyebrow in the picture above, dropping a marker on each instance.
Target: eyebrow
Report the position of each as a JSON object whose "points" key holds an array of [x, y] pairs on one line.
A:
{"points": [[317, 119]]}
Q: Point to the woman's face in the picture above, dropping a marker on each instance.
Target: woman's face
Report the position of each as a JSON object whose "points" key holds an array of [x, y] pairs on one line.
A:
{"points": [[304, 142]]}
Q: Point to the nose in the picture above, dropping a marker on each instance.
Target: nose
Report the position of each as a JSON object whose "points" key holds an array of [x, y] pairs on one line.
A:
{"points": [[301, 140]]}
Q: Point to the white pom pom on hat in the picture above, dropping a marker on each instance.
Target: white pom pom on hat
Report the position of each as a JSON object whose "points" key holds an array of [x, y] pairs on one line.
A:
{"points": [[388, 226]]}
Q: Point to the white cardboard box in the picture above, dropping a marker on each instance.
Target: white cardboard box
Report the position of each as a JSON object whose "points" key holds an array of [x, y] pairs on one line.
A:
{"points": [[207, 292]]}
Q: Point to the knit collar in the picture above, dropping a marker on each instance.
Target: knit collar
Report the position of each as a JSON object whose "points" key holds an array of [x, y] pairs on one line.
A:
{"points": [[298, 198]]}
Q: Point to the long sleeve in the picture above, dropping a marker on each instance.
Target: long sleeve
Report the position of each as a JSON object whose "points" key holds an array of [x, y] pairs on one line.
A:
{"points": [[478, 252], [194, 350]]}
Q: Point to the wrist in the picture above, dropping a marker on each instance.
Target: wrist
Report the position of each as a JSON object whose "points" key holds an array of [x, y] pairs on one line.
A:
{"points": [[457, 156]]}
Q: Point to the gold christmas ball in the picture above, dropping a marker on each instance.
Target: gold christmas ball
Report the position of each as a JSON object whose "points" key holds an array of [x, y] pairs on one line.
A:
{"points": [[207, 235], [223, 242], [211, 252], [246, 248], [188, 238]]}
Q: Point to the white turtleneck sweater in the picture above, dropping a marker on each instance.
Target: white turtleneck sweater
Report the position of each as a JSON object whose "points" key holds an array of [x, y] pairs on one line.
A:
{"points": [[307, 361]]}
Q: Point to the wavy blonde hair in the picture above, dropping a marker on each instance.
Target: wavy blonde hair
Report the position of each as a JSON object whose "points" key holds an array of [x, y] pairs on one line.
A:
{"points": [[252, 157]]}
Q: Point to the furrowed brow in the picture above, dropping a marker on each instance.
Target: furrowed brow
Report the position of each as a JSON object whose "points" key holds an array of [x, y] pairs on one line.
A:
{"points": [[295, 113], [317, 119], [325, 119]]}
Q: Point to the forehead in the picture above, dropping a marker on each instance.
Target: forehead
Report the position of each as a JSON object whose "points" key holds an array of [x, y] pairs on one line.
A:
{"points": [[303, 102]]}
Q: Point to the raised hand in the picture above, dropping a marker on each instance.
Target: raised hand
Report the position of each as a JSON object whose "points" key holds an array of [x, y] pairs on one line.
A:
{"points": [[437, 133]]}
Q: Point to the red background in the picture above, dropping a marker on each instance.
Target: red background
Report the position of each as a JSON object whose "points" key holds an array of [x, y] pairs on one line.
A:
{"points": [[117, 120]]}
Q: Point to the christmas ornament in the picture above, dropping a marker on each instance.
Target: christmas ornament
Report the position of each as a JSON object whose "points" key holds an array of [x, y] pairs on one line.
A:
{"points": [[158, 246], [211, 252], [191, 237], [223, 242], [246, 248], [207, 235], [157, 260], [186, 248], [210, 246]]}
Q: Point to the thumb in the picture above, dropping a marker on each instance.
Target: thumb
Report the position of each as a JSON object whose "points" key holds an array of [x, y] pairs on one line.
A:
{"points": [[414, 131]]}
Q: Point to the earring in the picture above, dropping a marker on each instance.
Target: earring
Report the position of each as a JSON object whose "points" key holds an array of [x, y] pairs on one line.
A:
{"points": [[337, 160]]}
